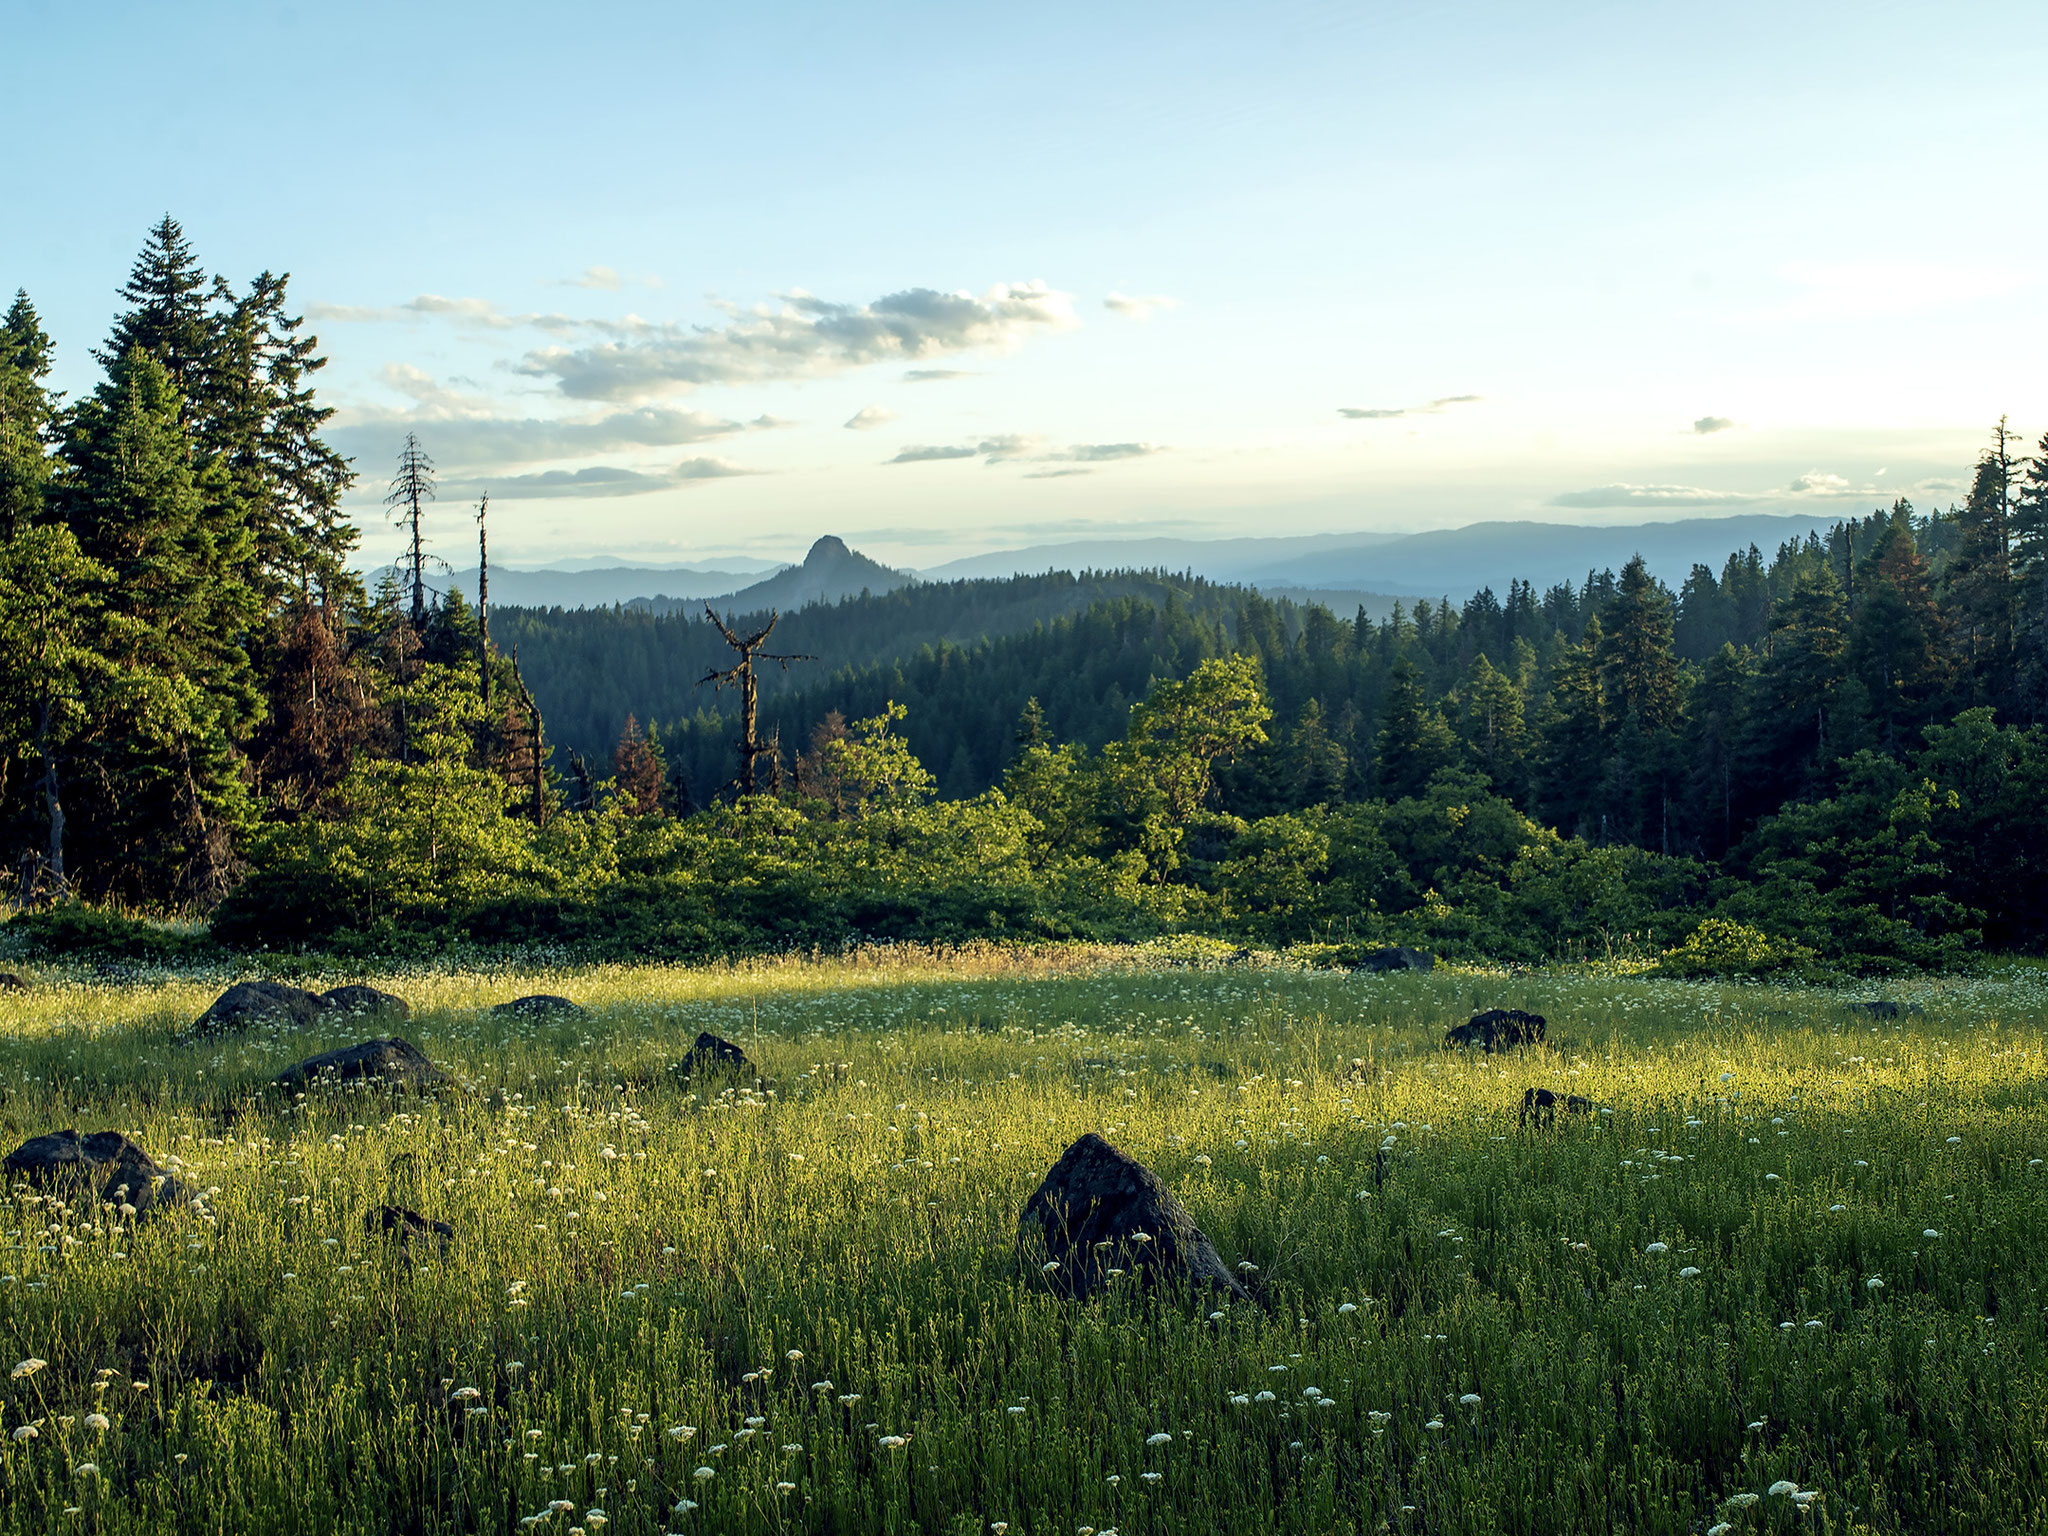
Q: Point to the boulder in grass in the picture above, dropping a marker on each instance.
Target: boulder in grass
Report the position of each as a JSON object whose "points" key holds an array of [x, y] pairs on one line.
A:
{"points": [[1498, 1029], [253, 1004], [1540, 1106], [541, 1005], [409, 1229], [103, 1166], [394, 1062], [360, 1001], [711, 1054], [1396, 958], [1100, 1209]]}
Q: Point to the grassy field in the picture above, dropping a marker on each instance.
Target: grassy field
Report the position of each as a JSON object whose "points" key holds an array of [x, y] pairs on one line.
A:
{"points": [[1797, 1245]]}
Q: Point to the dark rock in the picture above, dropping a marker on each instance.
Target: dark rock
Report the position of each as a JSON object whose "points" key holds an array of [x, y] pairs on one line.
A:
{"points": [[541, 1006], [1100, 1208], [398, 1063], [358, 1000], [409, 1229], [106, 1165], [9, 982], [1539, 1106], [250, 1003], [1498, 1029], [712, 1054], [1399, 958]]}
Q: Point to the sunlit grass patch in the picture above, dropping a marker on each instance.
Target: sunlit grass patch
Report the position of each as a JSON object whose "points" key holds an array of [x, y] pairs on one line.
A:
{"points": [[1797, 1241]]}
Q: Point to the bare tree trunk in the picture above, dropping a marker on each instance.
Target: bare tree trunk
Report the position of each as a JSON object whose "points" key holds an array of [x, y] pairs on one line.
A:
{"points": [[483, 601], [53, 803]]}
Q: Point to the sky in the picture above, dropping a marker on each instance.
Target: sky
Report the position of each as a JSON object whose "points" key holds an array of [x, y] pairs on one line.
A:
{"points": [[680, 283]]}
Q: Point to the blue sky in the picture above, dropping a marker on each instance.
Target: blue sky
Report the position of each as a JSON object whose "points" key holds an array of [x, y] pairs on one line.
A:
{"points": [[675, 282]]}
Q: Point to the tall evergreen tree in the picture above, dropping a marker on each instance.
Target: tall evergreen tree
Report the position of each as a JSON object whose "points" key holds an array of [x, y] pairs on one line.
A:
{"points": [[28, 413], [169, 786], [1414, 742], [1980, 575], [167, 316]]}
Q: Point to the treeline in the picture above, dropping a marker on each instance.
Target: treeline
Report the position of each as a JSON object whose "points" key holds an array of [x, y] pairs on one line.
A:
{"points": [[1830, 756]]}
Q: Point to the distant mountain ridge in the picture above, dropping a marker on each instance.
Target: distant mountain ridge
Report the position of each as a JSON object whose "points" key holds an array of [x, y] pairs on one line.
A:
{"points": [[599, 586], [1445, 562]]}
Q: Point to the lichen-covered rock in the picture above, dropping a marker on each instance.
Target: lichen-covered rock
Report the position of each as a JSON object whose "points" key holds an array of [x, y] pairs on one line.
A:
{"points": [[1100, 1209], [1497, 1029], [541, 1005], [360, 1001], [105, 1165], [393, 1062], [249, 1004]]}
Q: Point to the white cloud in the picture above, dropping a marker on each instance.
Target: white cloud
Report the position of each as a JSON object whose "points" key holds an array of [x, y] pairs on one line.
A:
{"points": [[600, 480], [595, 277], [1709, 424], [1027, 448], [936, 375], [1815, 485], [868, 417], [1138, 306], [1433, 408], [802, 337], [925, 453]]}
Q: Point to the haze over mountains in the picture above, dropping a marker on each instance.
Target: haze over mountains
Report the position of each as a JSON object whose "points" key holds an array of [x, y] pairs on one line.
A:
{"points": [[1341, 571]]}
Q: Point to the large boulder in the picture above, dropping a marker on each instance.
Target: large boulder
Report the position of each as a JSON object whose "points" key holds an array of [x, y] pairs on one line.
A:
{"points": [[359, 1001], [541, 1005], [1497, 1029], [104, 1166], [395, 1063], [1101, 1209], [250, 1004], [1396, 958]]}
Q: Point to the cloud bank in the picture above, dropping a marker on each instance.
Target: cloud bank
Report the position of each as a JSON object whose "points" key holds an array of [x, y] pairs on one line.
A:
{"points": [[1027, 448], [804, 337], [1815, 485]]}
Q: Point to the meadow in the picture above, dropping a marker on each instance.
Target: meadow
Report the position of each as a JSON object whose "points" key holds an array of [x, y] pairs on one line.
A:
{"points": [[1785, 1277]]}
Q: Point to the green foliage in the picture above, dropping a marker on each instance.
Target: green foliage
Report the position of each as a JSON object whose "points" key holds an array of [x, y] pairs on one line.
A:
{"points": [[1723, 947], [73, 931]]}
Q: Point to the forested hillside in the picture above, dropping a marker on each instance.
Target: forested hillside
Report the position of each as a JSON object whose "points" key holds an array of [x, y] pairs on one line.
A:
{"points": [[591, 668], [1828, 756]]}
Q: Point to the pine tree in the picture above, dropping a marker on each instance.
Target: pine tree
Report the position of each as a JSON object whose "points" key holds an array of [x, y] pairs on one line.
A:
{"points": [[258, 418], [1491, 723], [2030, 570], [27, 415], [167, 318], [171, 793], [1896, 639], [1982, 590], [1574, 731], [1413, 742]]}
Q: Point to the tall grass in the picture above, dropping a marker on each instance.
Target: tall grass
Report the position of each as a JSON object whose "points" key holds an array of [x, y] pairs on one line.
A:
{"points": [[1722, 1281]]}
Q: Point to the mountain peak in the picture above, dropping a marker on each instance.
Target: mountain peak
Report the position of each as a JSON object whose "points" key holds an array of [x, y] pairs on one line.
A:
{"points": [[830, 547]]}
